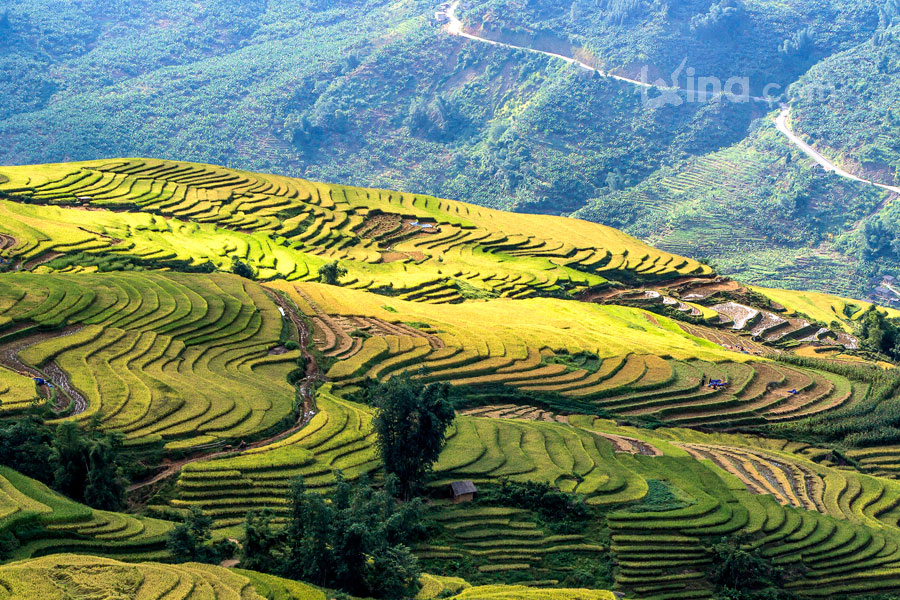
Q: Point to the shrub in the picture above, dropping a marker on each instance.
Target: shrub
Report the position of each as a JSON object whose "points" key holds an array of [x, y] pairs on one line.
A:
{"points": [[86, 466], [241, 269], [331, 272], [356, 542], [191, 541], [551, 503], [25, 447], [722, 18], [741, 574]]}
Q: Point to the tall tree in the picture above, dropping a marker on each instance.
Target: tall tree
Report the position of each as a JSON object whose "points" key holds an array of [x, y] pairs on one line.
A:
{"points": [[262, 542], [25, 447], [411, 424]]}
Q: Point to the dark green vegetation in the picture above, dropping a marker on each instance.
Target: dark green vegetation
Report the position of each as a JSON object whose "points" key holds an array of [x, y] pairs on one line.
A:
{"points": [[331, 272], [334, 109], [769, 43], [759, 210], [84, 464], [742, 574], [372, 92], [847, 105], [357, 541], [411, 424], [549, 502], [191, 540], [869, 424]]}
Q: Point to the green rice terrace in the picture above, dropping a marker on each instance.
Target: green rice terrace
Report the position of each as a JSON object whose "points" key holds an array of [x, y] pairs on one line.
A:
{"points": [[226, 333]]}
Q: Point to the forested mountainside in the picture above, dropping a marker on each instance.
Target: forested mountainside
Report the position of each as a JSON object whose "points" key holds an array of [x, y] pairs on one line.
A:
{"points": [[845, 103], [769, 42], [216, 383], [367, 93], [376, 93]]}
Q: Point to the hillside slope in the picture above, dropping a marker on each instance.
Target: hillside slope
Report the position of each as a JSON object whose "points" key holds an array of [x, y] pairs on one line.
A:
{"points": [[232, 326], [36, 521], [375, 93]]}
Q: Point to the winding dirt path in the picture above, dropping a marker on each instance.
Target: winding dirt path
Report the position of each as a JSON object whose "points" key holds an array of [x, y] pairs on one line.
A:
{"points": [[306, 390], [9, 358], [455, 27], [56, 375]]}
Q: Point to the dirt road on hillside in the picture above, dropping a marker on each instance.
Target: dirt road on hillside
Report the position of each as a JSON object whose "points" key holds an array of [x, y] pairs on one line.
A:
{"points": [[781, 122], [455, 27]]}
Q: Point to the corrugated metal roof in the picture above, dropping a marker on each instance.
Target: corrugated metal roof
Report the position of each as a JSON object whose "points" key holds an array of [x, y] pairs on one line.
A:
{"points": [[463, 487]]}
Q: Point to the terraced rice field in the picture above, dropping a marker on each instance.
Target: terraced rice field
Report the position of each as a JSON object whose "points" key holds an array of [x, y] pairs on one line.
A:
{"points": [[17, 391], [821, 523], [727, 339], [502, 539], [574, 354], [339, 437], [515, 411], [883, 461], [804, 484], [77, 576], [822, 307], [157, 213], [572, 459], [175, 357], [512, 592], [531, 319], [46, 522]]}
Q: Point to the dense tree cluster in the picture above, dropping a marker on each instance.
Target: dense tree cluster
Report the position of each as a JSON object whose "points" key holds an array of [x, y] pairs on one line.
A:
{"points": [[191, 541], [357, 540], [242, 269], [84, 464], [331, 272], [877, 333], [621, 11], [889, 14], [437, 120], [742, 574], [551, 503], [799, 46]]}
